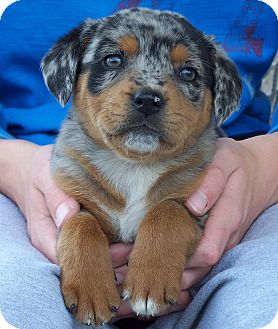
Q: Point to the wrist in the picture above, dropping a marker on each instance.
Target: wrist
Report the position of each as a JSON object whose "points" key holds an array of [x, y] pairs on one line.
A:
{"points": [[15, 159]]}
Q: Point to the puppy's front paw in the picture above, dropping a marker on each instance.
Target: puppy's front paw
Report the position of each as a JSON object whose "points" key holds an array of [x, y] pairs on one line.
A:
{"points": [[92, 302], [87, 277], [152, 291]]}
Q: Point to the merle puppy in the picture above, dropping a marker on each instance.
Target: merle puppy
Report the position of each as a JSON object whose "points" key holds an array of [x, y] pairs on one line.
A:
{"points": [[149, 90]]}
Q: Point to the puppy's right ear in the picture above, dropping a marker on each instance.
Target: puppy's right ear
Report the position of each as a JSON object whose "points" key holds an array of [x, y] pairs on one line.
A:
{"points": [[59, 66]]}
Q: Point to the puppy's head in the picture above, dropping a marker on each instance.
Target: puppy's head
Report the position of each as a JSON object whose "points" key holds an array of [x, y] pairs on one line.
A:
{"points": [[146, 83]]}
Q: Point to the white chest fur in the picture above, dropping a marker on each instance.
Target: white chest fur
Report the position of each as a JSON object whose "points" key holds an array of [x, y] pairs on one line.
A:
{"points": [[133, 181]]}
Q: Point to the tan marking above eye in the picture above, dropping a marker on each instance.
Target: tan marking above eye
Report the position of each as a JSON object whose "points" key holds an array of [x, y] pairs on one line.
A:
{"points": [[179, 54], [129, 44]]}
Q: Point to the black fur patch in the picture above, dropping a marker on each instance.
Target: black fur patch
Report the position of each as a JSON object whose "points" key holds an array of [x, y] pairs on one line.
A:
{"points": [[157, 33], [62, 63]]}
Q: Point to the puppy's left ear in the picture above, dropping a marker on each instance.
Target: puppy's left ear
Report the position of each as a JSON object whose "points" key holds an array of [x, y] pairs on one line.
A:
{"points": [[227, 85], [60, 65]]}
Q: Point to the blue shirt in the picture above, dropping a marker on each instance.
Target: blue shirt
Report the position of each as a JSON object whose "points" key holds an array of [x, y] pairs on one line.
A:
{"points": [[247, 29]]}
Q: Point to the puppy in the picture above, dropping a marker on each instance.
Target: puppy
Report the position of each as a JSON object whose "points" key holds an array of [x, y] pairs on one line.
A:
{"points": [[148, 91]]}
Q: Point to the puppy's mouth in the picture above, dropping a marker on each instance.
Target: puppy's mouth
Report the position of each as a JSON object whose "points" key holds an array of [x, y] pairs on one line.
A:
{"points": [[140, 129], [141, 137], [137, 123]]}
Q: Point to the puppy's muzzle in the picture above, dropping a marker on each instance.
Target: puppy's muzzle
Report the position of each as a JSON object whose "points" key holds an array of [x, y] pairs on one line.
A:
{"points": [[147, 101]]}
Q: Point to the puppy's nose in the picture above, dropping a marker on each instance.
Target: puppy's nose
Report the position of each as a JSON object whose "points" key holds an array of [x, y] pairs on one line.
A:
{"points": [[147, 101]]}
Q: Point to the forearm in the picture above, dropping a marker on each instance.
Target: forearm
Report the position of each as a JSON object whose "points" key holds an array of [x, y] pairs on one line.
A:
{"points": [[265, 151], [14, 158]]}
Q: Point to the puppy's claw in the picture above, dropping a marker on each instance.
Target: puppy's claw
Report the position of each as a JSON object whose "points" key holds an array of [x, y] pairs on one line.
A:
{"points": [[72, 308], [114, 309], [89, 321], [172, 302], [125, 295]]}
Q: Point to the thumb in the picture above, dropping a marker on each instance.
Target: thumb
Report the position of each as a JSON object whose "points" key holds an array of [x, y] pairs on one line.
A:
{"points": [[61, 206], [200, 202], [223, 165]]}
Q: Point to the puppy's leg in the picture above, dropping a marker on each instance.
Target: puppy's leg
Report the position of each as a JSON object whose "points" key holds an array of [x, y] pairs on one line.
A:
{"points": [[166, 239], [87, 277]]}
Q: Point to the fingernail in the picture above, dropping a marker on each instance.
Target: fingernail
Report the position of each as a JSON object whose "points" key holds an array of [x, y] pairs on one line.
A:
{"points": [[198, 202], [62, 212], [119, 278]]}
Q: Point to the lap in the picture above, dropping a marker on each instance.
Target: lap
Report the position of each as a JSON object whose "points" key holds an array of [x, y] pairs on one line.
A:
{"points": [[30, 296], [241, 291]]}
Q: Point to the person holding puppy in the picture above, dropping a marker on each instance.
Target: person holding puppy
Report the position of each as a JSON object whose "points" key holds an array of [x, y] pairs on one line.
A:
{"points": [[240, 184]]}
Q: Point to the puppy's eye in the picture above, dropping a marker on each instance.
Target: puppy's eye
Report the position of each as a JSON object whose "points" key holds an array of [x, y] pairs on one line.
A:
{"points": [[188, 74], [113, 61]]}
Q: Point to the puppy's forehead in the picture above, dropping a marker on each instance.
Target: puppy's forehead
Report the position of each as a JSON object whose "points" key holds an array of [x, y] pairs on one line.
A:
{"points": [[150, 28], [143, 22]]}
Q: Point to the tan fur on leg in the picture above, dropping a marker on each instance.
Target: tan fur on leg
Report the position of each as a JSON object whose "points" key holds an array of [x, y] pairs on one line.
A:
{"points": [[87, 279], [166, 239]]}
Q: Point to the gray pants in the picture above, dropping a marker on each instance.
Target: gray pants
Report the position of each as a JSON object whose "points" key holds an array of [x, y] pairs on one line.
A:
{"points": [[241, 292]]}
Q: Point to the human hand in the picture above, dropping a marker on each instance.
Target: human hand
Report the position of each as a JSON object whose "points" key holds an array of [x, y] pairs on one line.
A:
{"points": [[26, 179], [239, 185], [46, 207]]}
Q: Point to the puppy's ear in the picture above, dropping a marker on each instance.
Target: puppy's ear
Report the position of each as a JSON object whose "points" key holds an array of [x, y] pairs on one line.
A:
{"points": [[227, 85], [60, 65]]}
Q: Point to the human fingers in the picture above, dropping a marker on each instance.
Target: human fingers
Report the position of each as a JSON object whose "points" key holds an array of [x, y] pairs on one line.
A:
{"points": [[119, 253], [61, 206], [224, 219], [184, 301], [120, 273], [191, 276], [124, 312], [41, 228]]}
